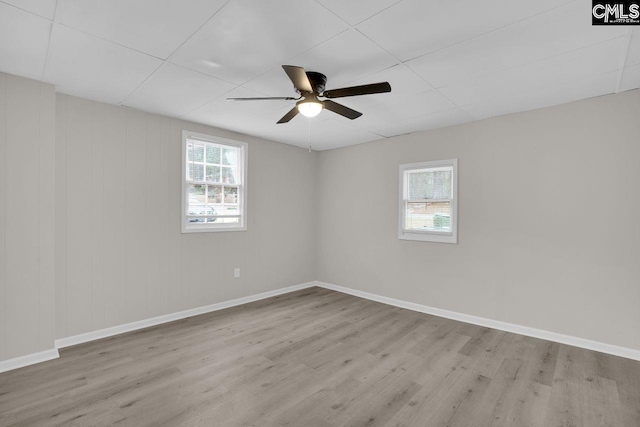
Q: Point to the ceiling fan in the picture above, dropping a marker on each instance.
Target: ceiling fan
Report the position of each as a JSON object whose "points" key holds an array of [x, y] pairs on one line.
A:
{"points": [[311, 86]]}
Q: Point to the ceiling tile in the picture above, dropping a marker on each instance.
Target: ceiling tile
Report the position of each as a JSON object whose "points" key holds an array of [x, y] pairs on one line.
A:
{"points": [[492, 58], [175, 91], [533, 39], [403, 81], [264, 124], [346, 57], [440, 119], [356, 11], [567, 92], [23, 42], [154, 27], [345, 139], [327, 134], [44, 8], [247, 38], [223, 113], [633, 54], [89, 67], [415, 27], [402, 108], [575, 65], [630, 78]]}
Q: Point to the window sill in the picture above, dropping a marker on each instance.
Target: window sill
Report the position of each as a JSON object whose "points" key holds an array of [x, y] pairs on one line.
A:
{"points": [[212, 229], [429, 236]]}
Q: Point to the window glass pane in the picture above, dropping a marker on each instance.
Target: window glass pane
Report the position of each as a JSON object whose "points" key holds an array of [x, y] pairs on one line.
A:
{"points": [[213, 173], [190, 151], [215, 194], [228, 221], [196, 172], [231, 195], [213, 154], [197, 204], [430, 184], [212, 210], [230, 156], [229, 175], [196, 193], [428, 216], [229, 210], [197, 154]]}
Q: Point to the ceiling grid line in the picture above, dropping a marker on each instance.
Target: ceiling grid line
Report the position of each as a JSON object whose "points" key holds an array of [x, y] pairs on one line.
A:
{"points": [[141, 83], [185, 68], [292, 58], [53, 23], [196, 31], [360, 22], [531, 62], [183, 59], [214, 99], [400, 62], [623, 59], [168, 58], [27, 11], [436, 89], [208, 102], [502, 27], [107, 40], [355, 28]]}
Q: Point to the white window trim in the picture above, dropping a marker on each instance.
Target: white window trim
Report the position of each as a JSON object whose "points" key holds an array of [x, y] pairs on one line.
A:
{"points": [[429, 236], [243, 166]]}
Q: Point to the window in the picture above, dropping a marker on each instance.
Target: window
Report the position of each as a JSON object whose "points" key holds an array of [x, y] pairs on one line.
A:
{"points": [[428, 201], [214, 184]]}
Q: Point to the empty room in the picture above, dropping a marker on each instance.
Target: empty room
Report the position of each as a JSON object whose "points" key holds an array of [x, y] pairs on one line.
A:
{"points": [[320, 213]]}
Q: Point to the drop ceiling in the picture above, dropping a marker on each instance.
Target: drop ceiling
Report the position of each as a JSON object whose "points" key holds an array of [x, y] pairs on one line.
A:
{"points": [[448, 62]]}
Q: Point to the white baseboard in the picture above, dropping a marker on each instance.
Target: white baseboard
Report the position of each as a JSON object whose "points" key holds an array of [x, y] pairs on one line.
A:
{"points": [[615, 350], [43, 356], [141, 324], [29, 359]]}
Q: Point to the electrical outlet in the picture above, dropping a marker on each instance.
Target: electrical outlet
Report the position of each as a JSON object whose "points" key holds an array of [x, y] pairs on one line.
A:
{"points": [[236, 273]]}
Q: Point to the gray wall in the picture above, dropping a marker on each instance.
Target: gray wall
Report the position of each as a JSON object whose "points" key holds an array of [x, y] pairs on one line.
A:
{"points": [[549, 230], [120, 256], [549, 220], [26, 216]]}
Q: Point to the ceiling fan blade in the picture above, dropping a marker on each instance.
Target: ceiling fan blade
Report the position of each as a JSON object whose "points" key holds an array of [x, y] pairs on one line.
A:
{"points": [[299, 78], [276, 98], [290, 115], [358, 90], [341, 109]]}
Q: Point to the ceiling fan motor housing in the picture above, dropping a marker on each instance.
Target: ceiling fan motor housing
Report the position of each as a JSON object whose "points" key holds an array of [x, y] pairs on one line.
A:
{"points": [[318, 81]]}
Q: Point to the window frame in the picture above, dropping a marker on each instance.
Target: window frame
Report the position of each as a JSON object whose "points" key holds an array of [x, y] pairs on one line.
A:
{"points": [[434, 236], [243, 156]]}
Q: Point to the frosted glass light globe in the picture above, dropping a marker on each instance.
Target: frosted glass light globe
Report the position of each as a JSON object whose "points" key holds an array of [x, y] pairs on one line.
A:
{"points": [[310, 109]]}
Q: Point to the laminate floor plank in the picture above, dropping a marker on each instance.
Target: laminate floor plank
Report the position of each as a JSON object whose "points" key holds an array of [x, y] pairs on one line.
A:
{"points": [[319, 358]]}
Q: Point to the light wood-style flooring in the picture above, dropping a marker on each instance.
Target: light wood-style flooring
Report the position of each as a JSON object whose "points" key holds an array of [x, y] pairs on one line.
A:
{"points": [[318, 358]]}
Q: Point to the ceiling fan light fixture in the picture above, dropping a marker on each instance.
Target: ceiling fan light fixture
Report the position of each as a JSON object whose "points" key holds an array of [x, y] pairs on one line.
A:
{"points": [[310, 108], [310, 85]]}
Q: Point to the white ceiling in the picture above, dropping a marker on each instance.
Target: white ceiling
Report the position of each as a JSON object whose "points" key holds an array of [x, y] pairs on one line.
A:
{"points": [[448, 62]]}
